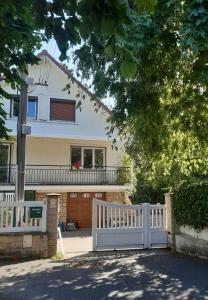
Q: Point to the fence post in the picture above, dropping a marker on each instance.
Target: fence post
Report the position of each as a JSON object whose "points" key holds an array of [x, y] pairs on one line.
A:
{"points": [[146, 225], [94, 225], [172, 227], [44, 217], [52, 222]]}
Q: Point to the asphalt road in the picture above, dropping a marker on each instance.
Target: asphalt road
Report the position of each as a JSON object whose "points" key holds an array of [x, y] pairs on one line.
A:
{"points": [[117, 275]]}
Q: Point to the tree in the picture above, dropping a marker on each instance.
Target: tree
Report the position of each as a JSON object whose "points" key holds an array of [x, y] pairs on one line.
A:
{"points": [[151, 56], [163, 102], [26, 24]]}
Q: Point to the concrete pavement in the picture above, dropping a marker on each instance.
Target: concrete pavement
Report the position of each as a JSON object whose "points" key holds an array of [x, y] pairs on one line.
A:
{"points": [[114, 275], [76, 242]]}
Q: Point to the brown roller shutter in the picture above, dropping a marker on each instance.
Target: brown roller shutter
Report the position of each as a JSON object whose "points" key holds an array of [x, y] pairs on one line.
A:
{"points": [[63, 110]]}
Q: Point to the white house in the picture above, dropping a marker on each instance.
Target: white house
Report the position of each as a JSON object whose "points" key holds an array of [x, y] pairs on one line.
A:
{"points": [[68, 150]]}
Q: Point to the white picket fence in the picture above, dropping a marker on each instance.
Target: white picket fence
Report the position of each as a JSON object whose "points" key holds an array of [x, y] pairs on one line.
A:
{"points": [[128, 226], [16, 217], [7, 197]]}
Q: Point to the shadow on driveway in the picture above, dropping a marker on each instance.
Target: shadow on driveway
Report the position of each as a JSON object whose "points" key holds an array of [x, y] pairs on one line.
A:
{"points": [[108, 275]]}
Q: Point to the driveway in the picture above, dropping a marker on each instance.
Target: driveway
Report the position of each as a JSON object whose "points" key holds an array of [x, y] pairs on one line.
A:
{"points": [[115, 275], [76, 242]]}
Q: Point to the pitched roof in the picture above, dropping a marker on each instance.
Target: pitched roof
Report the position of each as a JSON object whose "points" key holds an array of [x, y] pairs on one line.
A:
{"points": [[68, 73]]}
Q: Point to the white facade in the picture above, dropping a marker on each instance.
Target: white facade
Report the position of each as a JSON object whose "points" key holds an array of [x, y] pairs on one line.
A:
{"points": [[89, 128], [50, 142], [88, 125]]}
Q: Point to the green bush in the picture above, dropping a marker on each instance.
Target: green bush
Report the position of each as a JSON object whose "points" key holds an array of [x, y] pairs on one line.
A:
{"points": [[124, 173], [147, 193], [190, 203]]}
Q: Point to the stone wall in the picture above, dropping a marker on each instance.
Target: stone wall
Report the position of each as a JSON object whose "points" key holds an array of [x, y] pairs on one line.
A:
{"points": [[62, 204], [52, 222], [118, 197], [33, 245], [184, 239], [185, 243], [62, 209], [172, 227], [202, 234]]}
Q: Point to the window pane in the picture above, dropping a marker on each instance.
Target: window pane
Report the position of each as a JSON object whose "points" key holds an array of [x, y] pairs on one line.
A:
{"points": [[76, 157], [4, 159], [31, 108], [4, 155], [99, 161], [87, 158], [30, 195], [15, 107]]}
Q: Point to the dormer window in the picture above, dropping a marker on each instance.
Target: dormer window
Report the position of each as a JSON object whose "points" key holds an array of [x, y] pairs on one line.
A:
{"points": [[62, 110], [31, 107]]}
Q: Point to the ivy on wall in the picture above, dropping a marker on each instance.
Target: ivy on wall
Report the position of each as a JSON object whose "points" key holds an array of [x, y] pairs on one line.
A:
{"points": [[190, 202]]}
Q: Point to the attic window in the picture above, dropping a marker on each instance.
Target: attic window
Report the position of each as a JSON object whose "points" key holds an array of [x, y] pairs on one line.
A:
{"points": [[31, 107], [62, 110]]}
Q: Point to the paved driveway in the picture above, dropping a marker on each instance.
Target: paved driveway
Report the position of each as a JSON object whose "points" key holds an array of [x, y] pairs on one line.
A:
{"points": [[116, 275], [76, 242]]}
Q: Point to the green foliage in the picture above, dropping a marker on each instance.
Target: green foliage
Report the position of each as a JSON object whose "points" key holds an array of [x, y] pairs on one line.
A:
{"points": [[91, 25], [147, 193], [151, 56], [162, 101], [3, 131], [124, 174], [57, 257], [190, 202]]}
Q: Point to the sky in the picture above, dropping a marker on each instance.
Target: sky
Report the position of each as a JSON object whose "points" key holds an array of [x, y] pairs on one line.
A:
{"points": [[53, 50]]}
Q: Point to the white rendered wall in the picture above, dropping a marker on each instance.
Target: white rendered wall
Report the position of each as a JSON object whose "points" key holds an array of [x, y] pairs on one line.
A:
{"points": [[50, 151], [50, 141], [88, 124], [203, 234]]}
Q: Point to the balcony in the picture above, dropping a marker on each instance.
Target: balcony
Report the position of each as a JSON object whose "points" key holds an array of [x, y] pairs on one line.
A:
{"points": [[65, 175]]}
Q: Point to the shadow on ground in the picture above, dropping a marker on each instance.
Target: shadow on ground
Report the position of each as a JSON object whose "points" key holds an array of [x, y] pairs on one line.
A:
{"points": [[108, 275]]}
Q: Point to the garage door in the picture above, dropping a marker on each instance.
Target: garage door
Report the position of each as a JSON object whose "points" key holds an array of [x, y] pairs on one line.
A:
{"points": [[79, 207]]}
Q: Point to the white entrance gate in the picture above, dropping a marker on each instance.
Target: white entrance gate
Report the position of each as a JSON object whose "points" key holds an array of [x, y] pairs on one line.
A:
{"points": [[128, 226]]}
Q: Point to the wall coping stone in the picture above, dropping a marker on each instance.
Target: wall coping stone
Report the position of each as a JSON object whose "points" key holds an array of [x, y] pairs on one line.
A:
{"points": [[22, 233]]}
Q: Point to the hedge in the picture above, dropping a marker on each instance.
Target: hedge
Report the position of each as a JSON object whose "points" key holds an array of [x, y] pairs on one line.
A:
{"points": [[190, 203]]}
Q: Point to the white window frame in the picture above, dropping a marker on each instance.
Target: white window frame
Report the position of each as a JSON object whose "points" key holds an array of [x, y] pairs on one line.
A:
{"points": [[36, 108], [93, 156]]}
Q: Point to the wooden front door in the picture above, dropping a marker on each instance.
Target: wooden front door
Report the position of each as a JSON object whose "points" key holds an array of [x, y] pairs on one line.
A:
{"points": [[79, 207]]}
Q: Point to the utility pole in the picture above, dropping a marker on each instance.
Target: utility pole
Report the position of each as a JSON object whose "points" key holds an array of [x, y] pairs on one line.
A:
{"points": [[22, 131]]}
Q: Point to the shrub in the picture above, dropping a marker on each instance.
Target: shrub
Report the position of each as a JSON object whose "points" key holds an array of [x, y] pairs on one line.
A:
{"points": [[190, 203]]}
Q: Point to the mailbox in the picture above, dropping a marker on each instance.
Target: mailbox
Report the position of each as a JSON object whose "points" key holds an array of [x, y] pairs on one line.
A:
{"points": [[36, 212]]}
